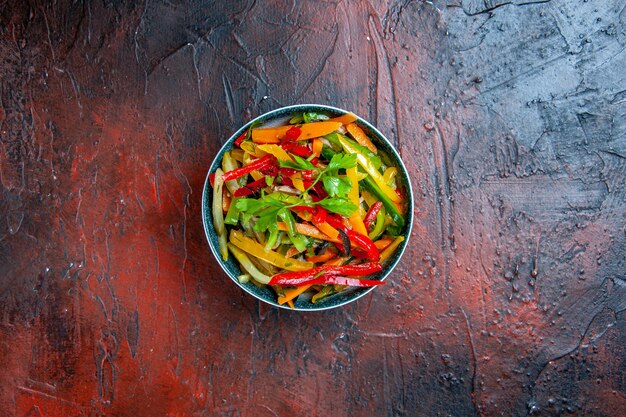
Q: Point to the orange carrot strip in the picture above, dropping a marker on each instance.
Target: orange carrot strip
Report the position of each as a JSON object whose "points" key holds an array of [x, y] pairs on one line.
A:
{"points": [[308, 230], [327, 229], [359, 135], [307, 131], [316, 147], [381, 244], [345, 119], [292, 293]]}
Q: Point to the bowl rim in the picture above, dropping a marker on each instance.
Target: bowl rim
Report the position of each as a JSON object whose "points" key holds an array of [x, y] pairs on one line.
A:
{"points": [[273, 114]]}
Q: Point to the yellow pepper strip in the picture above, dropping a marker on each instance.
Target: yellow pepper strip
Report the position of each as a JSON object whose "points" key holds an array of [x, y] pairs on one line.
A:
{"points": [[247, 264], [290, 303], [390, 249], [256, 249], [252, 149], [275, 150], [308, 230], [359, 135], [390, 174], [307, 131], [256, 175], [327, 229], [355, 219], [371, 170], [368, 198], [237, 155], [316, 147], [345, 119], [292, 293], [296, 179]]}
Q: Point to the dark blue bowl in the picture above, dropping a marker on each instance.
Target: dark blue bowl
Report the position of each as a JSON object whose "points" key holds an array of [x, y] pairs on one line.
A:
{"points": [[267, 295]]}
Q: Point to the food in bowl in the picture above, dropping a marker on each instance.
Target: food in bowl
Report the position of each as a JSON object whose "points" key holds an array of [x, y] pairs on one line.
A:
{"points": [[308, 206]]}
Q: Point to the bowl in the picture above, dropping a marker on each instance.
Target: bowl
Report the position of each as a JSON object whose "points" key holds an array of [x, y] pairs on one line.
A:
{"points": [[267, 295]]}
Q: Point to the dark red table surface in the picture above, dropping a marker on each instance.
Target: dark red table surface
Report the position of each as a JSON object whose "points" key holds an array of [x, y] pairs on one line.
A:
{"points": [[511, 297]]}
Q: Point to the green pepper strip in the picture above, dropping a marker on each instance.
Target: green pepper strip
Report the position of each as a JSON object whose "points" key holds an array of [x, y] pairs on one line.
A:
{"points": [[326, 291], [299, 241], [396, 216], [232, 216], [273, 237], [379, 227]]}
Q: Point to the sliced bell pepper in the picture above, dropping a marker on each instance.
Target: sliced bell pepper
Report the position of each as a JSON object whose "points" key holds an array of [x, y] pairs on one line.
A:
{"points": [[391, 248], [379, 227], [327, 229], [296, 179], [382, 244], [254, 248], [371, 170], [299, 241], [240, 138], [307, 230], [247, 264], [359, 135], [295, 278], [358, 239], [275, 150], [371, 214], [345, 118], [320, 214], [334, 280], [325, 256], [297, 149], [264, 162], [392, 209], [353, 195], [251, 188], [390, 174], [292, 134], [308, 131], [290, 294], [316, 147]]}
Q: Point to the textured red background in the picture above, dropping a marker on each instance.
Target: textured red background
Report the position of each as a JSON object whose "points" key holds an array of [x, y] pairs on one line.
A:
{"points": [[510, 119]]}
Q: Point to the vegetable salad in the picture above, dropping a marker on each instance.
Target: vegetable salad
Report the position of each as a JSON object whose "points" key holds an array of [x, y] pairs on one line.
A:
{"points": [[311, 206]]}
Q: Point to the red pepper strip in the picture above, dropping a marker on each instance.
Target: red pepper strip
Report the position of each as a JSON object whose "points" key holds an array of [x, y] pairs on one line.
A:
{"points": [[298, 277], [330, 279], [286, 181], [315, 160], [212, 179], [358, 239], [359, 253], [260, 163], [251, 188], [306, 174], [320, 215], [296, 149], [318, 189], [371, 214], [240, 138], [292, 134], [271, 170]]}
